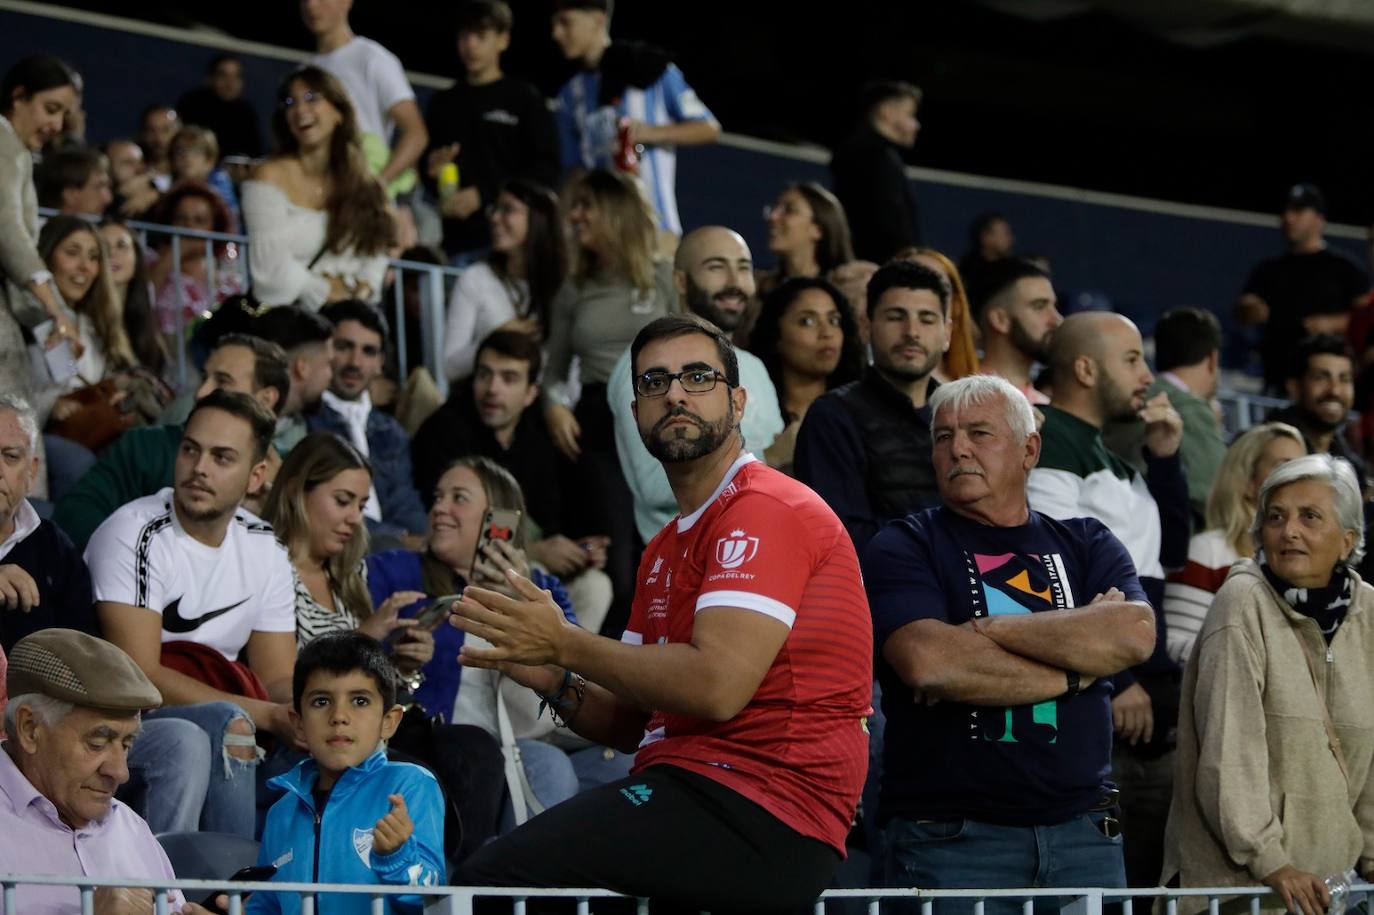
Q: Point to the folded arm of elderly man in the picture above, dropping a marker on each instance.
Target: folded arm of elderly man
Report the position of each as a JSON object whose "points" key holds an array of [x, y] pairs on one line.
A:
{"points": [[73, 714]]}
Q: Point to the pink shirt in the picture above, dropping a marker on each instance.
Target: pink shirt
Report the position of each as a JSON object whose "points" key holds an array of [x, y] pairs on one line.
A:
{"points": [[34, 840]]}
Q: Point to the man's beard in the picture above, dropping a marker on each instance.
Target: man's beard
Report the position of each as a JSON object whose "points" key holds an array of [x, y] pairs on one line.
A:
{"points": [[702, 303], [1316, 423], [680, 449], [903, 373], [209, 513], [1116, 403], [1039, 350]]}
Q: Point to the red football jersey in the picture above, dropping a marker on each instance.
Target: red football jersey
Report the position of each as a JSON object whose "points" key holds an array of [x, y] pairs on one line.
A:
{"points": [[766, 543]]}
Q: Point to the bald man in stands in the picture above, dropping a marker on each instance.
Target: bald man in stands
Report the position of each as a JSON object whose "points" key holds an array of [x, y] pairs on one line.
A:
{"points": [[714, 275], [1099, 374]]}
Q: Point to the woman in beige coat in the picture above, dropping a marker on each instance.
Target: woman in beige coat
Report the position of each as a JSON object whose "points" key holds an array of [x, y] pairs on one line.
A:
{"points": [[1276, 726], [35, 96]]}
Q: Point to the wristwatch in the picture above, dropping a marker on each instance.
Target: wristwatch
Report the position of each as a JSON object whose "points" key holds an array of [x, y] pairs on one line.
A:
{"points": [[1072, 677]]}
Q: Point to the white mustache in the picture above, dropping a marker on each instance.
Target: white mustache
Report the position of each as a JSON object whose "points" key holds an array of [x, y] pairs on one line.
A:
{"points": [[960, 469]]}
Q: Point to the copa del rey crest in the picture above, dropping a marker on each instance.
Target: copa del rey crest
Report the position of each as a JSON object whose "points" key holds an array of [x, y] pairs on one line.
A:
{"points": [[735, 550]]}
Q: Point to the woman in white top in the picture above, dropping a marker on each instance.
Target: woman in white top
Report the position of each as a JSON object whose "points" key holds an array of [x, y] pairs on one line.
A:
{"points": [[1189, 592], [513, 288], [75, 255], [317, 221], [316, 510]]}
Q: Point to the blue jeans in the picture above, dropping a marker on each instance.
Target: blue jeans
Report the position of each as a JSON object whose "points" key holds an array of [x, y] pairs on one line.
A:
{"points": [[230, 793], [551, 776], [169, 774], [968, 854], [597, 766]]}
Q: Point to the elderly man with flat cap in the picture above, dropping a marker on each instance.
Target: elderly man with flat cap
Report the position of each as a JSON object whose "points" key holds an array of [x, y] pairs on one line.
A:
{"points": [[73, 713]]}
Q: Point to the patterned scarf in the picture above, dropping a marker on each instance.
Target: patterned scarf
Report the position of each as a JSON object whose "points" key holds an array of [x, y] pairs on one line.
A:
{"points": [[1326, 605]]}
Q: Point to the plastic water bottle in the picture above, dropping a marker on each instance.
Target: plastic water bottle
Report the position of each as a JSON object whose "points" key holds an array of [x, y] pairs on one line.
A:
{"points": [[1338, 885], [448, 180]]}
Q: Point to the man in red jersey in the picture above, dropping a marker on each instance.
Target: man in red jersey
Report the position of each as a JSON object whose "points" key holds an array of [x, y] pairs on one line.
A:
{"points": [[743, 678]]}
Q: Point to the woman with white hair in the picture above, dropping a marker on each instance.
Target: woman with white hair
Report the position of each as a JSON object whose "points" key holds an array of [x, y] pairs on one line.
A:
{"points": [[1276, 726]]}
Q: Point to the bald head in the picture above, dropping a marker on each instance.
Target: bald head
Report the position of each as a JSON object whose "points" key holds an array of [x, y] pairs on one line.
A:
{"points": [[1099, 366], [1085, 334], [714, 275]]}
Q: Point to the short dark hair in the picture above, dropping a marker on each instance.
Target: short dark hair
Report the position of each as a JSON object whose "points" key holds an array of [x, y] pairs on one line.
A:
{"points": [[515, 345], [292, 326], [249, 409], [270, 367], [344, 653], [1185, 336], [67, 168], [1318, 345], [1000, 276], [355, 310], [981, 223], [33, 74], [223, 57], [605, 6], [905, 274], [483, 15], [880, 92], [679, 325]]}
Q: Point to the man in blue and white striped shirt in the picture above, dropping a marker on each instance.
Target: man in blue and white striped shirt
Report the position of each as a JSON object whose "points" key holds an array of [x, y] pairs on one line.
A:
{"points": [[625, 80]]}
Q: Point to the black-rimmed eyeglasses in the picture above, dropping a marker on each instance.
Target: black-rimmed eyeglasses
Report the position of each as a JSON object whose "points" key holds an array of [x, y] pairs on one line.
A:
{"points": [[694, 381]]}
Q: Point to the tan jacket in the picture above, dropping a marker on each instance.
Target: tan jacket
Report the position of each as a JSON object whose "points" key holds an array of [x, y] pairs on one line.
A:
{"points": [[1256, 784]]}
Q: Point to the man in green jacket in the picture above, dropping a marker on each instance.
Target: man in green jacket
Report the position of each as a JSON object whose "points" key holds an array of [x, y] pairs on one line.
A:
{"points": [[1187, 362], [141, 461]]}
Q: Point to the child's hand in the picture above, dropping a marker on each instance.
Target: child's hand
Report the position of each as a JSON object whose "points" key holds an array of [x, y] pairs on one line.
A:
{"points": [[392, 830]]}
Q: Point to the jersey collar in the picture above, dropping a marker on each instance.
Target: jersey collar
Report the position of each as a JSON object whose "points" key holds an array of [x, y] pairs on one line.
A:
{"points": [[684, 524]]}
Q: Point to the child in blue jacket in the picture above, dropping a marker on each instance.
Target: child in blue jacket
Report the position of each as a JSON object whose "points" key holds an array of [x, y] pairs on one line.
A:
{"points": [[349, 815]]}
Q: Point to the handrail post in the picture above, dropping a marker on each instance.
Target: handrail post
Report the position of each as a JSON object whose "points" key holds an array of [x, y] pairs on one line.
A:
{"points": [[434, 323], [399, 326]]}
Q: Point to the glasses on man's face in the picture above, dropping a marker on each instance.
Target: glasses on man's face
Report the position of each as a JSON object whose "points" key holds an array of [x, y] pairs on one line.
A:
{"points": [[694, 381]]}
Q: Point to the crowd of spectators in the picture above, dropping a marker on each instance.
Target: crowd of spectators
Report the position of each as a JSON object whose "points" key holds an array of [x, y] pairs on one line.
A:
{"points": [[1111, 645]]}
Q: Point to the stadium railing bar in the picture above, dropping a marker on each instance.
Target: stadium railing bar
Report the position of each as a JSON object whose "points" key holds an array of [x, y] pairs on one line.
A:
{"points": [[435, 281], [455, 900]]}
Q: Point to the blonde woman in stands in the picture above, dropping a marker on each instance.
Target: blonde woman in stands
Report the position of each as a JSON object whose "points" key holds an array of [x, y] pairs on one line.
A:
{"points": [[1189, 592], [318, 222], [35, 95], [961, 358]]}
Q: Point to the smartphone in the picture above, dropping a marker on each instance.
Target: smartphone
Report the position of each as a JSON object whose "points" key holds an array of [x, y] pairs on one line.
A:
{"points": [[59, 359], [437, 611], [499, 524], [253, 873]]}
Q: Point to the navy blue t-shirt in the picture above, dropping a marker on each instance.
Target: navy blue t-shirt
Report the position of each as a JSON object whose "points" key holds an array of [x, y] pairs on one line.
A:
{"points": [[1023, 765]]}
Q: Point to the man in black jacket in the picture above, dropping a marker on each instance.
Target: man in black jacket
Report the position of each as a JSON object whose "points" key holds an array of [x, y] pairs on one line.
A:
{"points": [[865, 447], [493, 126], [44, 582], [870, 177]]}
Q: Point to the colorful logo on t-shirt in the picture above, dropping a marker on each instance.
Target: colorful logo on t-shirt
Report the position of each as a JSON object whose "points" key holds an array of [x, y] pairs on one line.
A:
{"points": [[1011, 583], [735, 550]]}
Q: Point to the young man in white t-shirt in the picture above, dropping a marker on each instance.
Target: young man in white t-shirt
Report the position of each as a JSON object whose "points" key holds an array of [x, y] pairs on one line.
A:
{"points": [[188, 565], [376, 83]]}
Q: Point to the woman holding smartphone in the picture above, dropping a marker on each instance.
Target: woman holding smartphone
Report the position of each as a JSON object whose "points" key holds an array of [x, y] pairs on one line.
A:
{"points": [[474, 494], [316, 510]]}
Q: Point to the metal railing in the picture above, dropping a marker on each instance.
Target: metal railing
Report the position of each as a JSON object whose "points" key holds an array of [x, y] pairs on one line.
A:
{"points": [[1242, 409], [435, 283], [458, 900]]}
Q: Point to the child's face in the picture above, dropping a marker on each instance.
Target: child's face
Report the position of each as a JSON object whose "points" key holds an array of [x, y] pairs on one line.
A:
{"points": [[342, 720], [189, 162]]}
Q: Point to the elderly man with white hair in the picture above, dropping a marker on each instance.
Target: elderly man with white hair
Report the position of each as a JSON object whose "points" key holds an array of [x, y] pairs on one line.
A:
{"points": [[73, 714], [43, 579], [1004, 626], [1276, 727]]}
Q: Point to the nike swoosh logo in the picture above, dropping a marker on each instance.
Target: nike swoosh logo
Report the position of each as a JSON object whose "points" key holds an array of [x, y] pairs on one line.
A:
{"points": [[174, 622]]}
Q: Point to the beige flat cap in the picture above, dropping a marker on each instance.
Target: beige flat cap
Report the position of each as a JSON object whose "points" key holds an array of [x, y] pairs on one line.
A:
{"points": [[80, 669]]}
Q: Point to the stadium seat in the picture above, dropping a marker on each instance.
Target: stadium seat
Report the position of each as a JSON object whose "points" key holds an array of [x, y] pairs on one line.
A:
{"points": [[207, 855]]}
